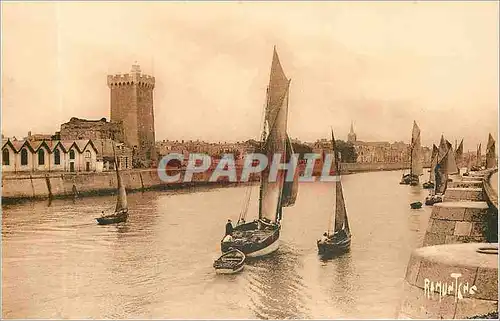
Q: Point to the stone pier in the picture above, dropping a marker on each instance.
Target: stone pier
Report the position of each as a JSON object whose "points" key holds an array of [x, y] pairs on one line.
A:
{"points": [[460, 250], [464, 216], [457, 222], [454, 281]]}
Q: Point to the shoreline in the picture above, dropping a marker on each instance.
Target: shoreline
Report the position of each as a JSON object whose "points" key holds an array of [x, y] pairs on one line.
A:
{"points": [[21, 187]]}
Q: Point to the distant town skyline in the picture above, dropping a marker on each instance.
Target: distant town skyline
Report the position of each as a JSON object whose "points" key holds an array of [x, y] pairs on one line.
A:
{"points": [[381, 65]]}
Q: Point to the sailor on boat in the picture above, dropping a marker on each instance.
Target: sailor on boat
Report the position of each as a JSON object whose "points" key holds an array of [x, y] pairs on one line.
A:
{"points": [[324, 238], [229, 227]]}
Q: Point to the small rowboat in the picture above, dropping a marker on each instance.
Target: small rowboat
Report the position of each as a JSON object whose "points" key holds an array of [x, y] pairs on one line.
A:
{"points": [[416, 205], [230, 262], [118, 217], [428, 185], [433, 199]]}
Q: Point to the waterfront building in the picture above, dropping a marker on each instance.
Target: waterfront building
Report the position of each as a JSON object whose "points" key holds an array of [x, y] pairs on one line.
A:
{"points": [[62, 156]]}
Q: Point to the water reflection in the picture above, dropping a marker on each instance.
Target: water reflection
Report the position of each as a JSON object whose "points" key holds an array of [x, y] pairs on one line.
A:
{"points": [[58, 263], [341, 291], [277, 290]]}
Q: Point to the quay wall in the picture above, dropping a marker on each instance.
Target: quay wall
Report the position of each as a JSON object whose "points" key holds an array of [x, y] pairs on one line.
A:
{"points": [[17, 186], [371, 167], [60, 185]]}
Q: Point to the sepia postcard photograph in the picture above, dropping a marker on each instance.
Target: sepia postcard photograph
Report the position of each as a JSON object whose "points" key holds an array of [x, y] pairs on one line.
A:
{"points": [[249, 160]]}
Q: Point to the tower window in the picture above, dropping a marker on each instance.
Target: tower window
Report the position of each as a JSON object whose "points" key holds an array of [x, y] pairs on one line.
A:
{"points": [[24, 157], [41, 157], [87, 154], [5, 157], [71, 154]]}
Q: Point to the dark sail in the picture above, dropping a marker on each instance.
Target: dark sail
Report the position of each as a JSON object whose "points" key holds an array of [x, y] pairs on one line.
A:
{"points": [[452, 167], [479, 161], [290, 189], [434, 161], [121, 201], [416, 151], [446, 165], [459, 152], [491, 161], [340, 210], [441, 175]]}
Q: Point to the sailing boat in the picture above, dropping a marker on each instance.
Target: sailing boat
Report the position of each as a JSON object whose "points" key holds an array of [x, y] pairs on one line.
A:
{"points": [[479, 162], [491, 161], [340, 240], [445, 166], [459, 154], [121, 209], [415, 159], [261, 236], [434, 159]]}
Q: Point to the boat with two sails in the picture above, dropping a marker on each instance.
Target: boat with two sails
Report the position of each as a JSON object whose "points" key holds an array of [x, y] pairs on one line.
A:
{"points": [[261, 236]]}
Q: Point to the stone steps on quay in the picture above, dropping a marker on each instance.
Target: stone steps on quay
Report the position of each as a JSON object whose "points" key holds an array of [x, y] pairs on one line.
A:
{"points": [[465, 184], [463, 194]]}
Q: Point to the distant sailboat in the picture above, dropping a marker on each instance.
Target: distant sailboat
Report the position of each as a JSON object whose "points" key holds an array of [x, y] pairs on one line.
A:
{"points": [[452, 167], [459, 155], [261, 236], [445, 166], [491, 159], [434, 159], [121, 209], [479, 162], [415, 159], [338, 240]]}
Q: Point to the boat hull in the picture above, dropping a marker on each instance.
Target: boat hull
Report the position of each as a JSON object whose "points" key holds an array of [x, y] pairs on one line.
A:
{"points": [[431, 200], [112, 219], [428, 185], [229, 271], [408, 179], [230, 262], [416, 205], [334, 248], [252, 246]]}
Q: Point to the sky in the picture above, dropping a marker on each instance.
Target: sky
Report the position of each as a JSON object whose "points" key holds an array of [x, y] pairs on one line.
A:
{"points": [[378, 64]]}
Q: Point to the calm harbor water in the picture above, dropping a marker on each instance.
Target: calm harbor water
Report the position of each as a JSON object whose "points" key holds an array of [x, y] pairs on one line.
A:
{"points": [[58, 263]]}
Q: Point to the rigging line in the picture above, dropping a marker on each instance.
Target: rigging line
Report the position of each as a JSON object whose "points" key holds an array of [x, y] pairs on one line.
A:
{"points": [[246, 200]]}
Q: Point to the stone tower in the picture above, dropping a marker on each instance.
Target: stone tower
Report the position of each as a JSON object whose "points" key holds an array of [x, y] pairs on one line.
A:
{"points": [[351, 137], [132, 106]]}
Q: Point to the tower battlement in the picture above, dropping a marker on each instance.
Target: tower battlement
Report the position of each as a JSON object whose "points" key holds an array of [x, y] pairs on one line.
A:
{"points": [[131, 79]]}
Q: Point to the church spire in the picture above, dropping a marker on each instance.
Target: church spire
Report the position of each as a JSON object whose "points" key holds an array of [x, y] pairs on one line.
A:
{"points": [[351, 137]]}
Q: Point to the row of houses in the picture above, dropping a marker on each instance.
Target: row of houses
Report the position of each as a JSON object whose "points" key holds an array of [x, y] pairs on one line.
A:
{"points": [[63, 155]]}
